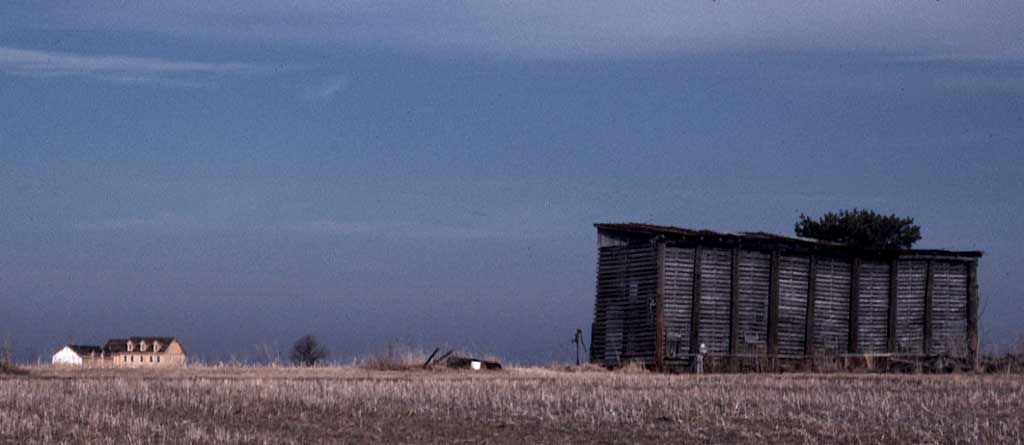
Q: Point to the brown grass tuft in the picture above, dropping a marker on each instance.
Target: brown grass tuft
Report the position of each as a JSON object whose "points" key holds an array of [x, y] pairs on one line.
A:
{"points": [[395, 358], [585, 367], [632, 367]]}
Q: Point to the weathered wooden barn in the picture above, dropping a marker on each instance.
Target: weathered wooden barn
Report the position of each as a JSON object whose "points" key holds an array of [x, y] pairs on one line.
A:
{"points": [[757, 297]]}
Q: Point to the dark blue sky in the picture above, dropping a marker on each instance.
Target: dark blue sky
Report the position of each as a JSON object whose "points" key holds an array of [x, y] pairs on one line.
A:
{"points": [[241, 173]]}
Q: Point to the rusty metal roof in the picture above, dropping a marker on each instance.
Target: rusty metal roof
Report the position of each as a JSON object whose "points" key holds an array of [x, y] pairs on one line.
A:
{"points": [[672, 231]]}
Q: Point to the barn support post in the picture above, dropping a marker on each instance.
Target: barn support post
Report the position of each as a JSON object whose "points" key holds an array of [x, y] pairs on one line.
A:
{"points": [[659, 308], [773, 306], [854, 306], [812, 286], [734, 310], [893, 293], [929, 305], [972, 313], [698, 254]]}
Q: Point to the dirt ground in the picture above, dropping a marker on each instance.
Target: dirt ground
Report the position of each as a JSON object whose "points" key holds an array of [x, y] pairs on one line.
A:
{"points": [[532, 405]]}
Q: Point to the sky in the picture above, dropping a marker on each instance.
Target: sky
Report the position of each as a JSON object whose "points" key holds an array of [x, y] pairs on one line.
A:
{"points": [[240, 173]]}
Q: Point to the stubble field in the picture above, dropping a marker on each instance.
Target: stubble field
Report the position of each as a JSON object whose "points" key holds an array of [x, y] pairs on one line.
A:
{"points": [[353, 405]]}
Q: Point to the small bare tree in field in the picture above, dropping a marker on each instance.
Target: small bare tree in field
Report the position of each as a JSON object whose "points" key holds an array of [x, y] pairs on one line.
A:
{"points": [[7, 365], [307, 351]]}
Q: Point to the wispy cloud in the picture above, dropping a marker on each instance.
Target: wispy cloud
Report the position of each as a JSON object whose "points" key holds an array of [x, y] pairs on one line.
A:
{"points": [[173, 223], [164, 221], [118, 68], [571, 29], [413, 230], [1002, 81], [327, 88]]}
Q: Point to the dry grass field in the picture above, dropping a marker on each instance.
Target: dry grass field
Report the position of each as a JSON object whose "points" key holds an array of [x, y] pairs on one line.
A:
{"points": [[353, 405]]}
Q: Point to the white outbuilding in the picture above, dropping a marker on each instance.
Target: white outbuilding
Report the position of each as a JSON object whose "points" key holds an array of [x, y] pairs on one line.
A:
{"points": [[77, 354]]}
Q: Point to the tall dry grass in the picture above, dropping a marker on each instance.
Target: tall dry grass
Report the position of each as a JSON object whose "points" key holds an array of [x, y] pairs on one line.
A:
{"points": [[395, 357], [357, 405]]}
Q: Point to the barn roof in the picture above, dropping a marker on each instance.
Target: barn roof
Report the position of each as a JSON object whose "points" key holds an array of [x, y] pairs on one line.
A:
{"points": [[763, 237], [121, 344]]}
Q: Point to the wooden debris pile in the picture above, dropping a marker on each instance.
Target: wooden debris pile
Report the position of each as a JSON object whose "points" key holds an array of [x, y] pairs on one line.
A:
{"points": [[454, 361]]}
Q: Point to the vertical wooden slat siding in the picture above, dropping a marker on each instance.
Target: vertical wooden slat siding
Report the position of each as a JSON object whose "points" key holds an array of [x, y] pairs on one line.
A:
{"points": [[754, 289], [893, 292], [678, 274], [658, 298], [640, 314], [831, 306], [611, 292], [624, 327], [734, 303], [812, 282], [606, 274], [929, 286], [949, 308], [773, 305], [659, 316], [910, 306], [698, 255], [793, 273], [873, 308], [715, 289], [972, 311], [854, 328]]}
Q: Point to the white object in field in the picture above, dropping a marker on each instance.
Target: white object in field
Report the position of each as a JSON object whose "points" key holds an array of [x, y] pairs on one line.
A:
{"points": [[67, 356], [474, 365]]}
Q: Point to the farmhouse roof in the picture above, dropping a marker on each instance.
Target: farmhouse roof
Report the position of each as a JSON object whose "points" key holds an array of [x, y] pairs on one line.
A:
{"points": [[121, 344], [672, 232]]}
